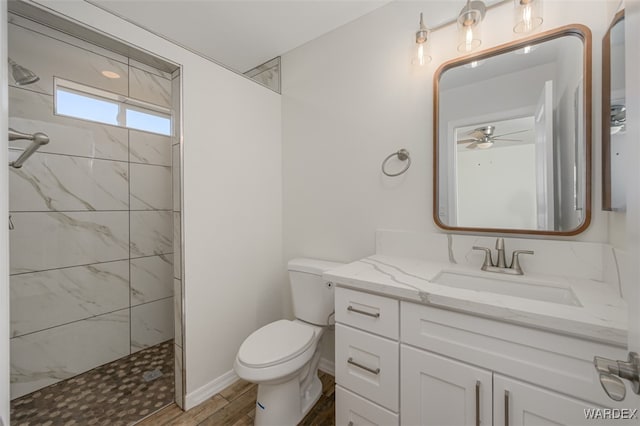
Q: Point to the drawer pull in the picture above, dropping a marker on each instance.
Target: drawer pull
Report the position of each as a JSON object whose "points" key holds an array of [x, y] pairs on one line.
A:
{"points": [[358, 311], [370, 370], [478, 403]]}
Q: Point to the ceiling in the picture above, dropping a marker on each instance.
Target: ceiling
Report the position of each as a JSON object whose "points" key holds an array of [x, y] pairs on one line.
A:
{"points": [[512, 61], [240, 34]]}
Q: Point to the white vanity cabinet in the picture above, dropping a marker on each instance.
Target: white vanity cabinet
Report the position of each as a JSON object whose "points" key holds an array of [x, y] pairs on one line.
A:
{"points": [[404, 363], [367, 360]]}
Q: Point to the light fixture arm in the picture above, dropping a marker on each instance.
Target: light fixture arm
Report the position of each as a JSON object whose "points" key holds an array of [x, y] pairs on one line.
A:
{"points": [[423, 33]]}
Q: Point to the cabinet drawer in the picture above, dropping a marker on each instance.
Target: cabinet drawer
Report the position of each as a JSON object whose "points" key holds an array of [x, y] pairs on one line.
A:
{"points": [[353, 410], [376, 314], [368, 365]]}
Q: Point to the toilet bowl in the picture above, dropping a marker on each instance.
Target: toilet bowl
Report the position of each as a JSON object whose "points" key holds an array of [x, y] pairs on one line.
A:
{"points": [[282, 357]]}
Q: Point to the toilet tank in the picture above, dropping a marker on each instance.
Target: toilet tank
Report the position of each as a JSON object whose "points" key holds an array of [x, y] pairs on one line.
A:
{"points": [[312, 296]]}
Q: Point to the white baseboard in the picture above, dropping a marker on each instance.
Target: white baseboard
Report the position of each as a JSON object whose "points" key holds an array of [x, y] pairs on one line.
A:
{"points": [[327, 366], [205, 392]]}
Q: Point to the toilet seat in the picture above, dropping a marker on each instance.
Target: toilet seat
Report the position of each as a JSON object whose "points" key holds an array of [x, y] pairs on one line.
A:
{"points": [[275, 343]]}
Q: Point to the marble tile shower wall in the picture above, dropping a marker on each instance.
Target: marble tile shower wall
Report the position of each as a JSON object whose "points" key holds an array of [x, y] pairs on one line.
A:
{"points": [[92, 245]]}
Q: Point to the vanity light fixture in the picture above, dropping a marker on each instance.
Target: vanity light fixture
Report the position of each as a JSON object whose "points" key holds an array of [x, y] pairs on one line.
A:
{"points": [[421, 57], [528, 15], [469, 21]]}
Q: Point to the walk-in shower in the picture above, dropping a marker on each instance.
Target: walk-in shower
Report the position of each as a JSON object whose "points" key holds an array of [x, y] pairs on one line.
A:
{"points": [[95, 266]]}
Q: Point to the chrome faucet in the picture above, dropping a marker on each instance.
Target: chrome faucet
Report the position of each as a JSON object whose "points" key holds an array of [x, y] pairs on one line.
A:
{"points": [[501, 265]]}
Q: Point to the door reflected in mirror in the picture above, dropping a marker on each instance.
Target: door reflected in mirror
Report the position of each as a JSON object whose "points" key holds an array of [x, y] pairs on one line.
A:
{"points": [[485, 155], [614, 117], [512, 137]]}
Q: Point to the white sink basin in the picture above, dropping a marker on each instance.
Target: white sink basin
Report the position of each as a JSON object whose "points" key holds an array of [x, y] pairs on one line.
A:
{"points": [[501, 284]]}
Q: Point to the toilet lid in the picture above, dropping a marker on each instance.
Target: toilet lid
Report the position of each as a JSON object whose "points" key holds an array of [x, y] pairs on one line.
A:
{"points": [[275, 343]]}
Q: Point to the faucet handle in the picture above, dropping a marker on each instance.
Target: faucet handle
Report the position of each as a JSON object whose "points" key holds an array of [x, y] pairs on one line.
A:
{"points": [[487, 256], [500, 243], [515, 260]]}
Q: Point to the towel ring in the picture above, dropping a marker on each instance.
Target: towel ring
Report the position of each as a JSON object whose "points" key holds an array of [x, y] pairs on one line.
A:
{"points": [[403, 155]]}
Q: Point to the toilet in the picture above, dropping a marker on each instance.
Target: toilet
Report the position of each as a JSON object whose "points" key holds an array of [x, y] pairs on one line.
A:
{"points": [[282, 357]]}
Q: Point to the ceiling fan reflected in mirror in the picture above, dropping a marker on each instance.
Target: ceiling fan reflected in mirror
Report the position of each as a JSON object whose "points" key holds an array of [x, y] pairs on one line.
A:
{"points": [[618, 119], [483, 137]]}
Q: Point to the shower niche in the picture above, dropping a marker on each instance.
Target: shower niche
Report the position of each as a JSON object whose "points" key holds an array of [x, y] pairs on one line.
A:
{"points": [[95, 247]]}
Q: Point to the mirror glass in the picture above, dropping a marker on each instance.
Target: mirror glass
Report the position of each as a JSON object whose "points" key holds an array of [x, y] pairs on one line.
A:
{"points": [[614, 120], [512, 138]]}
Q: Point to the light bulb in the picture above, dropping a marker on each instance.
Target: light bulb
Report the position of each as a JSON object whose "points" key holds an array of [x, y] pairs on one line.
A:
{"points": [[469, 29], [468, 39], [528, 15], [421, 57], [421, 54]]}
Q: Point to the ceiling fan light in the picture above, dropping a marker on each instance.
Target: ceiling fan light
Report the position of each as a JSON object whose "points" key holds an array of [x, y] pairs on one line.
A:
{"points": [[484, 145]]}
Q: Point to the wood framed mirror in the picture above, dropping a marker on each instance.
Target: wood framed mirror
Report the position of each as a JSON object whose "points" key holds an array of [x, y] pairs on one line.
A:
{"points": [[613, 116], [512, 137]]}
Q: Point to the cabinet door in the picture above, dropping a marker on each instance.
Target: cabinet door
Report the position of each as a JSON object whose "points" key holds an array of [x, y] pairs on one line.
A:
{"points": [[435, 390], [517, 403]]}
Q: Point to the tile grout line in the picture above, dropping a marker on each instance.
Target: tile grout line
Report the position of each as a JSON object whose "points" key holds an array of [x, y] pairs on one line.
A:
{"points": [[68, 323], [114, 160], [91, 264]]}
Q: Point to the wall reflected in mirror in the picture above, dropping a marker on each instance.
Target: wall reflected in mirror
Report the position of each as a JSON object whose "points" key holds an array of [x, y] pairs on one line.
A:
{"points": [[614, 119], [512, 137]]}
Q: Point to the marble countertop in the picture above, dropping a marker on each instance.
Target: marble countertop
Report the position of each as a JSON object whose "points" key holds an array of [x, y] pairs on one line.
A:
{"points": [[602, 316]]}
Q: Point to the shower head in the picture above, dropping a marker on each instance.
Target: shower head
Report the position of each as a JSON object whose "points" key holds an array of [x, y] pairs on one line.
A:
{"points": [[22, 75]]}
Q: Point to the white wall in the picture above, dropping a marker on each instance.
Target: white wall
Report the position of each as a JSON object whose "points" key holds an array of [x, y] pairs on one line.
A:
{"points": [[232, 202], [630, 283], [617, 220], [351, 97], [4, 231]]}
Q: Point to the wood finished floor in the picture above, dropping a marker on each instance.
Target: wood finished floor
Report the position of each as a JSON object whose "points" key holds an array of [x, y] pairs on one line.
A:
{"points": [[235, 406]]}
